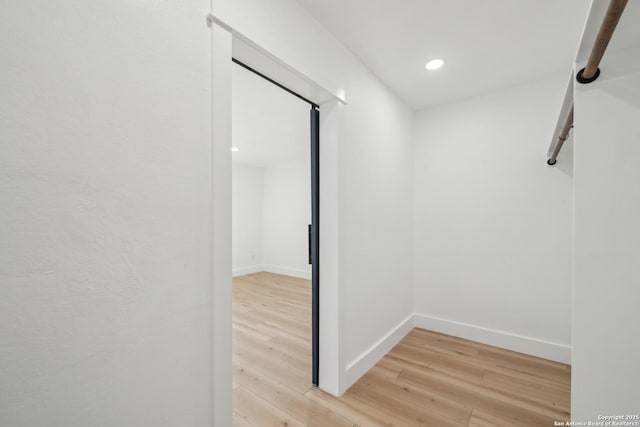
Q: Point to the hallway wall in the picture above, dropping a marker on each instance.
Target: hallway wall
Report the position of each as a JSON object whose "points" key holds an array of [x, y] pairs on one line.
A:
{"points": [[105, 214]]}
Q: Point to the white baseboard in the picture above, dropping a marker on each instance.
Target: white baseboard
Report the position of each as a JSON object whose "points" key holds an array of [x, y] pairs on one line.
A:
{"points": [[247, 270], [361, 364], [288, 271], [522, 344]]}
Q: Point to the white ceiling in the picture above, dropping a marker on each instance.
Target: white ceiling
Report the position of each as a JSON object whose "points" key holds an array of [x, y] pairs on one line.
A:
{"points": [[270, 126], [486, 44]]}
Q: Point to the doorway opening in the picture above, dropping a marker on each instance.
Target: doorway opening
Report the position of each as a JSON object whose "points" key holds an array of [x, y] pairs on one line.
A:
{"points": [[275, 222]]}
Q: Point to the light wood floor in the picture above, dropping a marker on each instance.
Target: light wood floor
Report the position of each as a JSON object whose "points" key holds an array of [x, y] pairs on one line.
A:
{"points": [[428, 379]]}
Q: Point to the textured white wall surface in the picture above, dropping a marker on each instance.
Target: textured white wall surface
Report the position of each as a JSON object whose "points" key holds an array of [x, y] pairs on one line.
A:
{"points": [[105, 214], [606, 290], [493, 232]]}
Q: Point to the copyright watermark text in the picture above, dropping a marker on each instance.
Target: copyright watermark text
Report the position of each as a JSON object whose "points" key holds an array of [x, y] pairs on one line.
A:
{"points": [[604, 420]]}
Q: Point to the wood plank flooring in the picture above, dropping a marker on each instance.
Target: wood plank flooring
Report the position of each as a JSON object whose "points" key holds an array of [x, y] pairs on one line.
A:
{"points": [[428, 379]]}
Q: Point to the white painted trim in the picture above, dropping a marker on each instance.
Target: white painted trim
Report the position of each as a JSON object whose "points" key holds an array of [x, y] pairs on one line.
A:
{"points": [[287, 271], [221, 298], [522, 344], [281, 75], [331, 293], [361, 364], [248, 270], [276, 269]]}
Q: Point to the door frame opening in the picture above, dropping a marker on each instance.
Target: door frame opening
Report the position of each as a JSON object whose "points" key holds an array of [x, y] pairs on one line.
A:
{"points": [[314, 235]]}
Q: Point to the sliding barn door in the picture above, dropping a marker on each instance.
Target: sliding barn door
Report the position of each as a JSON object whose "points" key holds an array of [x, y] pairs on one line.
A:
{"points": [[315, 240]]}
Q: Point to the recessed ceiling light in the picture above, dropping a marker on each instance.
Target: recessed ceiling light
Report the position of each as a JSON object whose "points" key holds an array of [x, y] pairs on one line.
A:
{"points": [[434, 64], [235, 149]]}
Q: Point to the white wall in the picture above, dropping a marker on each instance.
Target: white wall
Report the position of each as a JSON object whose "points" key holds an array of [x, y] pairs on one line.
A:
{"points": [[105, 214], [492, 245], [247, 218], [370, 148], [287, 213], [607, 254], [375, 203], [271, 211]]}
